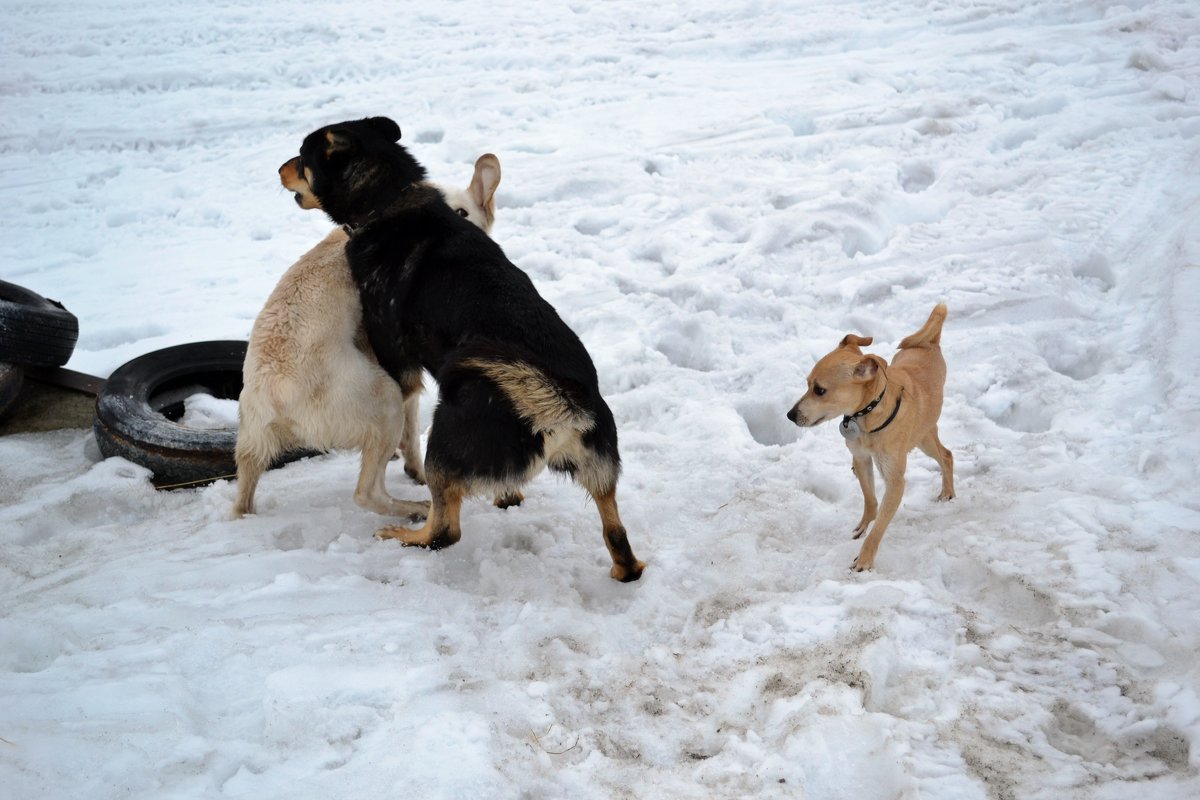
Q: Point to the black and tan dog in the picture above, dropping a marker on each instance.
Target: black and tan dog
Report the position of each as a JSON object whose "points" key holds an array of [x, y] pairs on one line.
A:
{"points": [[517, 390]]}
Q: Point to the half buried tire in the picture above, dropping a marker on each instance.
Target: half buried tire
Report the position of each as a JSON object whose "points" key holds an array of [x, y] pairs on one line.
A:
{"points": [[138, 413], [34, 331]]}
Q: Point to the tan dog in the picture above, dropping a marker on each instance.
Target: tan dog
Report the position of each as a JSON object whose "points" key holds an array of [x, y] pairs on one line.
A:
{"points": [[886, 411], [311, 380]]}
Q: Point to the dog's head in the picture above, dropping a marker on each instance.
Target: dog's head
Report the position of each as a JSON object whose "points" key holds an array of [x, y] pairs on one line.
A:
{"points": [[838, 383], [351, 169], [477, 203]]}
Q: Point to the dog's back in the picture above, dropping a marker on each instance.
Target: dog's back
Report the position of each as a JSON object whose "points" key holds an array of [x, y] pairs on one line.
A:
{"points": [[311, 312], [302, 356], [458, 298]]}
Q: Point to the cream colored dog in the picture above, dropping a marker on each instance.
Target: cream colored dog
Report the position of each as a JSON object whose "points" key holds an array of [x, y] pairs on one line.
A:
{"points": [[310, 378], [886, 411]]}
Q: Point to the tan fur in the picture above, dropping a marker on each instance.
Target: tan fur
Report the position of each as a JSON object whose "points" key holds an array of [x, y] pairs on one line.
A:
{"points": [[846, 381], [537, 399], [293, 181], [311, 380]]}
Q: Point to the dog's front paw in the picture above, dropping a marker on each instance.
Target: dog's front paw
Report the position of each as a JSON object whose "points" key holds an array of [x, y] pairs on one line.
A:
{"points": [[946, 496], [420, 537], [864, 522], [415, 510], [861, 564], [865, 560]]}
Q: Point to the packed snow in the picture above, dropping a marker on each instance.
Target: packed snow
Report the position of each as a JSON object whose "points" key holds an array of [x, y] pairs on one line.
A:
{"points": [[711, 194]]}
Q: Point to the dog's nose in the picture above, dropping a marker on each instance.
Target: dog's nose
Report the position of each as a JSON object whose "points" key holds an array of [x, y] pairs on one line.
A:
{"points": [[792, 414]]}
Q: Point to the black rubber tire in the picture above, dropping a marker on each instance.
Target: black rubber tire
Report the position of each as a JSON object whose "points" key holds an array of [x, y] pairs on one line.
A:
{"points": [[12, 378], [137, 409], [34, 331]]}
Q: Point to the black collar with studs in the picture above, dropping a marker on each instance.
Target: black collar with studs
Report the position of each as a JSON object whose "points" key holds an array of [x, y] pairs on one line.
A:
{"points": [[869, 407]]}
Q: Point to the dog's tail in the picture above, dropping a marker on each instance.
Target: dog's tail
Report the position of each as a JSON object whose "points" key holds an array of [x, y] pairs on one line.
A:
{"points": [[545, 403], [930, 333]]}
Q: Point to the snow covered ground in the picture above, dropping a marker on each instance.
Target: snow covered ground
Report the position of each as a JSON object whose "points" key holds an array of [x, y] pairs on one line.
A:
{"points": [[711, 194]]}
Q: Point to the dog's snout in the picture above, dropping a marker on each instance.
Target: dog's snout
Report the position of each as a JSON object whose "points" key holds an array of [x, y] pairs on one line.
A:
{"points": [[792, 414], [290, 169]]}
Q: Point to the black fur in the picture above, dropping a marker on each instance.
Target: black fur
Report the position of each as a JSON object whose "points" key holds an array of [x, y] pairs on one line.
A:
{"points": [[354, 172], [436, 292]]}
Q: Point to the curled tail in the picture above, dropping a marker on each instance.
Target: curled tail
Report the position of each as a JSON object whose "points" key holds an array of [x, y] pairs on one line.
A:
{"points": [[931, 332]]}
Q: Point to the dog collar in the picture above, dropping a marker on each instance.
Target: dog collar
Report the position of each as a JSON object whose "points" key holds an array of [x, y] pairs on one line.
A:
{"points": [[849, 427], [867, 409], [891, 417]]}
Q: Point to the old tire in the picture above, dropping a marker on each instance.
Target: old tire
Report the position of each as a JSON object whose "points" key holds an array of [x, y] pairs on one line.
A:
{"points": [[12, 378], [34, 331], [138, 409]]}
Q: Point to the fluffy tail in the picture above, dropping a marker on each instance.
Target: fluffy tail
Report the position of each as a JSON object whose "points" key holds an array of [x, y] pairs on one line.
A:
{"points": [[931, 332], [545, 403]]}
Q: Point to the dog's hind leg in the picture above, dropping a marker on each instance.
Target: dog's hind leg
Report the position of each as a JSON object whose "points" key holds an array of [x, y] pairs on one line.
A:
{"points": [[249, 469], [932, 446], [442, 527], [893, 468], [626, 566], [410, 440], [257, 446], [864, 470], [371, 493], [598, 474]]}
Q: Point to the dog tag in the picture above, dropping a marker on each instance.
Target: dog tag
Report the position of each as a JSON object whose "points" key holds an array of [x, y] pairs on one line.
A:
{"points": [[849, 428]]}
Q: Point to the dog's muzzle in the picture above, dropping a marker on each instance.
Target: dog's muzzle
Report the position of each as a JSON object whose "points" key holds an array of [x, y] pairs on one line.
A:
{"points": [[797, 417]]}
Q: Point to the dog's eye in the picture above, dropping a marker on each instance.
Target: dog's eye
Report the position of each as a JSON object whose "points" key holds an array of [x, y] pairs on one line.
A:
{"points": [[462, 212], [818, 390]]}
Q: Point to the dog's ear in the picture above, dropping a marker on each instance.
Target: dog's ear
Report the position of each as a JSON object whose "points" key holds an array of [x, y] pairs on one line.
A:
{"points": [[338, 140], [485, 180], [866, 369], [855, 341], [385, 126]]}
